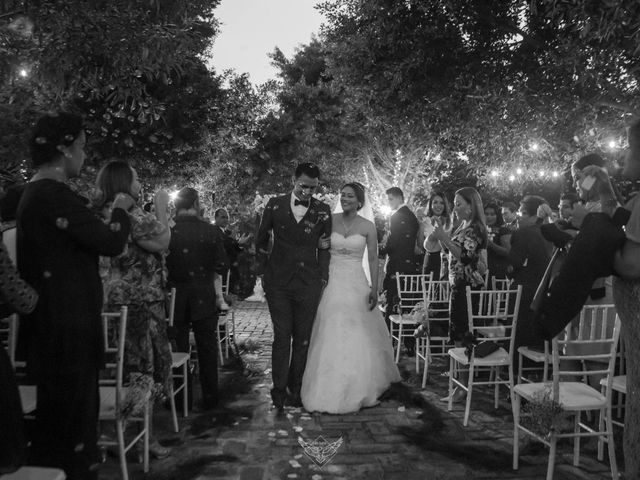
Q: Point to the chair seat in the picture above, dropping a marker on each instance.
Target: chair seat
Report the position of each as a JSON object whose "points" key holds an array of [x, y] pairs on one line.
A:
{"points": [[534, 355], [178, 359], [619, 383], [28, 398], [499, 357], [35, 473], [572, 395], [398, 319], [108, 402]]}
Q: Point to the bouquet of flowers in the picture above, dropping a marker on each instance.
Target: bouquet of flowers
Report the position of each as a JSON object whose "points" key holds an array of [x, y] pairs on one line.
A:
{"points": [[260, 202]]}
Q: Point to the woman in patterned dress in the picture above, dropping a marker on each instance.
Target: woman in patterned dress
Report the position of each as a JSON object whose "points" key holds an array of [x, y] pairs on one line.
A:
{"points": [[467, 248], [135, 278]]}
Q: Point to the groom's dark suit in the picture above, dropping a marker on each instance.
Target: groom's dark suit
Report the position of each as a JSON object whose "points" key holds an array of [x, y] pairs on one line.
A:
{"points": [[293, 280]]}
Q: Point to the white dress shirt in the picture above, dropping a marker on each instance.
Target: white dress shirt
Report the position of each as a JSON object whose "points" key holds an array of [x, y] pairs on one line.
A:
{"points": [[299, 211]]}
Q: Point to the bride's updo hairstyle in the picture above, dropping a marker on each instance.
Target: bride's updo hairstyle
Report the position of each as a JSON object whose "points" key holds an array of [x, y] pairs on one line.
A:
{"points": [[358, 188]]}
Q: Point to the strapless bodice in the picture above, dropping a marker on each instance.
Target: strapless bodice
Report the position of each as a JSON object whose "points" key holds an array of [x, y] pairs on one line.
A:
{"points": [[350, 247]]}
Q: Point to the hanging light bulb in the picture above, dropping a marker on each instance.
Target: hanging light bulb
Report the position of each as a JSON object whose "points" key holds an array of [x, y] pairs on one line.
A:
{"points": [[512, 178], [554, 174], [519, 171], [535, 146]]}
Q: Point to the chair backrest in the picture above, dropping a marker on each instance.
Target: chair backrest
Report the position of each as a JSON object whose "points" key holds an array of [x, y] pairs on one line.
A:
{"points": [[592, 337], [226, 283], [9, 335], [501, 283], [411, 291], [114, 331], [493, 314], [171, 298]]}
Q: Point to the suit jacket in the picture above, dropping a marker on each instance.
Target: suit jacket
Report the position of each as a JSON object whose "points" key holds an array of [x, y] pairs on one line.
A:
{"points": [[295, 245], [529, 257], [400, 246]]}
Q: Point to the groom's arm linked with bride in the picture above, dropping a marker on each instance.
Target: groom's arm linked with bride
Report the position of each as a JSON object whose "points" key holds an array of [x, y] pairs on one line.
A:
{"points": [[294, 274]]}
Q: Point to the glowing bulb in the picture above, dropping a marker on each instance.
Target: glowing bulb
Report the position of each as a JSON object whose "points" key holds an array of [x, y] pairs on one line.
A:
{"points": [[512, 178], [173, 195], [612, 144], [555, 174], [495, 173], [23, 72], [541, 173], [519, 171], [534, 146]]}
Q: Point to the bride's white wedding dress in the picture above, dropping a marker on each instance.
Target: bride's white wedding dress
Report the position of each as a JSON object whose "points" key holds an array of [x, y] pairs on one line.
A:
{"points": [[350, 361]]}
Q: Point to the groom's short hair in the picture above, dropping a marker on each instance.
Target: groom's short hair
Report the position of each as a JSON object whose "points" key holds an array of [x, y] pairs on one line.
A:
{"points": [[309, 169], [186, 198], [395, 192]]}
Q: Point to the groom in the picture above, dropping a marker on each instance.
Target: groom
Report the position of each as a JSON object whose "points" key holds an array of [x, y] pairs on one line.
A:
{"points": [[295, 273]]}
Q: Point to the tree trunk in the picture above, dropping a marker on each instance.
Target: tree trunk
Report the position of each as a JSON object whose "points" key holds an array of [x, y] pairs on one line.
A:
{"points": [[627, 300]]}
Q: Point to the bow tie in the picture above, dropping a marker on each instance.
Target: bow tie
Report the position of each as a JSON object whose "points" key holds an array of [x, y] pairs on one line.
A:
{"points": [[304, 203]]}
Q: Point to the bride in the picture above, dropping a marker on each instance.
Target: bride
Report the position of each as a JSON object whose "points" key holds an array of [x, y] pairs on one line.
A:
{"points": [[350, 361]]}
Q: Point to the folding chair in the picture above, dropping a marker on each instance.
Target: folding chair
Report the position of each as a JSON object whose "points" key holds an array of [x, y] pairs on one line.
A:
{"points": [[179, 360], [573, 397], [493, 317], [410, 293], [113, 393]]}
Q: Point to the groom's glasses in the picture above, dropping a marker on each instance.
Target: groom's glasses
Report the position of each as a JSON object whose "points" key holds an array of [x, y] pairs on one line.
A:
{"points": [[302, 186]]}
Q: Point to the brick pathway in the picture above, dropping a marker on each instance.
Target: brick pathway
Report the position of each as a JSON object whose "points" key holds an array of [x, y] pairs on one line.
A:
{"points": [[410, 435]]}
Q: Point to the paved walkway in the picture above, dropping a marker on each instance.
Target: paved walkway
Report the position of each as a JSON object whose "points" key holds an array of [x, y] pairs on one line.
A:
{"points": [[410, 435]]}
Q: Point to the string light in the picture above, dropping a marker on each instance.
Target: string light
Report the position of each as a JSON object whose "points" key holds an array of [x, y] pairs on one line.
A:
{"points": [[541, 173], [512, 178], [554, 174], [23, 72], [494, 173], [534, 146], [519, 171]]}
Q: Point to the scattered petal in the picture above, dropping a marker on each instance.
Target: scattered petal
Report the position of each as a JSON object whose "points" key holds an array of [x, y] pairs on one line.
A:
{"points": [[292, 475], [46, 274], [401, 409], [298, 457], [305, 418], [236, 423], [316, 477], [297, 429], [294, 463], [283, 433], [62, 223], [272, 434], [289, 416]]}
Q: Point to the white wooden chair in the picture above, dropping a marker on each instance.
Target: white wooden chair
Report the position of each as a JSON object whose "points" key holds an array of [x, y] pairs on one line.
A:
{"points": [[179, 361], [113, 393], [437, 294], [492, 316], [571, 396], [226, 324], [410, 293], [9, 335]]}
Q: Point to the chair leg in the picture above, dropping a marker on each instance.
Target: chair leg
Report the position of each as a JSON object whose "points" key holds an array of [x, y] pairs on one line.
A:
{"points": [[426, 362], [496, 391], [601, 423], [172, 403], [219, 346], [147, 432], [545, 370], [451, 367], [576, 440], [552, 457], [467, 408], [611, 446], [122, 454], [520, 379], [185, 389], [516, 432], [399, 342]]}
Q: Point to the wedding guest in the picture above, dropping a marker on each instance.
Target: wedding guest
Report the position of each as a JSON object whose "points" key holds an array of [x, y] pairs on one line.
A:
{"points": [[568, 200], [135, 279], [21, 298], [499, 241], [626, 290], [196, 252], [400, 248], [529, 256], [232, 246], [510, 215], [467, 247], [8, 210], [58, 243], [438, 210]]}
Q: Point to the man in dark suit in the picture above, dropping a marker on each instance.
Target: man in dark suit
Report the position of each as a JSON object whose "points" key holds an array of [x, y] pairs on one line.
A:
{"points": [[295, 274], [400, 248], [196, 253]]}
